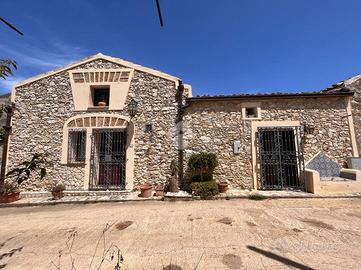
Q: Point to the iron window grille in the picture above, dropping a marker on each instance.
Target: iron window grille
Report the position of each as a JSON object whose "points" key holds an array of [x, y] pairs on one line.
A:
{"points": [[76, 146]]}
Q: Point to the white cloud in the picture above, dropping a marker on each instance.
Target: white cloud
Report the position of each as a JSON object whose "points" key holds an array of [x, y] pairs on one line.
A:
{"points": [[56, 55], [6, 85], [33, 60]]}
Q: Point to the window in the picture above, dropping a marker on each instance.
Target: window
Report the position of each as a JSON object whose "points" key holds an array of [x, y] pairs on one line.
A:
{"points": [[100, 96], [76, 146], [251, 112]]}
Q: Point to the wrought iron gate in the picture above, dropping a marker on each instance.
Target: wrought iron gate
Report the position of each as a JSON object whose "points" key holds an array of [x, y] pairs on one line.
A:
{"points": [[108, 159], [281, 157]]}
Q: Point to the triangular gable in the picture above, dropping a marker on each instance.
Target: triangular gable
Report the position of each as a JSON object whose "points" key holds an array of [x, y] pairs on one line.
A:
{"points": [[100, 56]]}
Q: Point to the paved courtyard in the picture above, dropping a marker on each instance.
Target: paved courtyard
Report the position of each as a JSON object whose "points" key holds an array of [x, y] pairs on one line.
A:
{"points": [[234, 234]]}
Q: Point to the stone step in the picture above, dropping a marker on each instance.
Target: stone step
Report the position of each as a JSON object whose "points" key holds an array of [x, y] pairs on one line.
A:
{"points": [[88, 193]]}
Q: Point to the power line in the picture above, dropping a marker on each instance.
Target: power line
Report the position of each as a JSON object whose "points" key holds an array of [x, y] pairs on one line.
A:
{"points": [[11, 26], [159, 13]]}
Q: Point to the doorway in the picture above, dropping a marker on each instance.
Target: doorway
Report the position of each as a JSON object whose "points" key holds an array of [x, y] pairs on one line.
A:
{"points": [[108, 159], [281, 158]]}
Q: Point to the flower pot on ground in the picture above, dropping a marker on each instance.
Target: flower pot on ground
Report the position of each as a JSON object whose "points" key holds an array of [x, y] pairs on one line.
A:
{"points": [[57, 191], [145, 191], [9, 193], [159, 191], [222, 186]]}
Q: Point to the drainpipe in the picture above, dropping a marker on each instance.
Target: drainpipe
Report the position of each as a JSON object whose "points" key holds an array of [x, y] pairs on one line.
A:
{"points": [[9, 109], [179, 124]]}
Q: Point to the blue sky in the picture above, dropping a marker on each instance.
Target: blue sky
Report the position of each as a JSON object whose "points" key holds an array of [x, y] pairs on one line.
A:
{"points": [[219, 47]]}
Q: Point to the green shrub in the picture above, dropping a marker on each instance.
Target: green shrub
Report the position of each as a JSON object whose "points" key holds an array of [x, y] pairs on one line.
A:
{"points": [[206, 190], [203, 161], [202, 166], [257, 197]]}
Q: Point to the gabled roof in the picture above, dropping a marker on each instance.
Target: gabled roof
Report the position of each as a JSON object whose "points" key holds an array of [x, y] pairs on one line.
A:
{"points": [[102, 57], [342, 84]]}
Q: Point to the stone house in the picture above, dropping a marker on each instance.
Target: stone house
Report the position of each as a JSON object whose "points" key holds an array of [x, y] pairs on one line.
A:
{"points": [[111, 124]]}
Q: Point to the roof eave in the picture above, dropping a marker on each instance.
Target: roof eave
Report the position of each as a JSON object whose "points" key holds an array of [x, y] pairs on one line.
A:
{"points": [[270, 96]]}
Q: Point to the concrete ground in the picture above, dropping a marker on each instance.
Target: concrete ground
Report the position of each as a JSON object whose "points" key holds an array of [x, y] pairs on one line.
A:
{"points": [[234, 234]]}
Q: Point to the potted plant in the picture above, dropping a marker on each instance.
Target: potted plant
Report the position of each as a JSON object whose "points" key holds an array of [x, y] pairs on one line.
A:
{"points": [[222, 186], [102, 100], [172, 184], [9, 193], [102, 103], [146, 190], [57, 191], [22, 172], [202, 166], [159, 191]]}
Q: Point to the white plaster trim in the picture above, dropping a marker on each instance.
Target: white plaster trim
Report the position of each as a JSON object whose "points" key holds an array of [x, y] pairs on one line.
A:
{"points": [[355, 152], [312, 158], [256, 105]]}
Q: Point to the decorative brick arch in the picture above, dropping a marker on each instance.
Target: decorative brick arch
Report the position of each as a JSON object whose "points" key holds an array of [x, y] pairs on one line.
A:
{"points": [[97, 120]]}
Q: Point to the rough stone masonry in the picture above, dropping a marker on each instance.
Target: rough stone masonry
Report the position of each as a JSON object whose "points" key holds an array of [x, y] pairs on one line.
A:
{"points": [[43, 106]]}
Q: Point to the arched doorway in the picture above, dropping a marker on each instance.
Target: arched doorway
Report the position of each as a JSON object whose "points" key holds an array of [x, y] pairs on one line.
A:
{"points": [[104, 143]]}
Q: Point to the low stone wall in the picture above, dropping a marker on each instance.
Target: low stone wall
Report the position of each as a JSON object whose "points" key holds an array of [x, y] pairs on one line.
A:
{"points": [[214, 126]]}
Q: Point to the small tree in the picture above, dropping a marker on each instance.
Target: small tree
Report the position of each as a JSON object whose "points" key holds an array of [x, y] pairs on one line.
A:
{"points": [[22, 172], [202, 166], [172, 185], [6, 67]]}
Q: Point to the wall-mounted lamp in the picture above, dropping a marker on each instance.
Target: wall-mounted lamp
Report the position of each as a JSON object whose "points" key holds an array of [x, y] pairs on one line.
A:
{"points": [[132, 107]]}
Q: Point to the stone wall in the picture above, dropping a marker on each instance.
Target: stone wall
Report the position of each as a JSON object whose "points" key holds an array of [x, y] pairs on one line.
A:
{"points": [[43, 106], [214, 126]]}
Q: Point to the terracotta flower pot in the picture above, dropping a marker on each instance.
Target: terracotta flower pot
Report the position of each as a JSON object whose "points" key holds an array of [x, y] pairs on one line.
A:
{"points": [[159, 191], [145, 191], [223, 187], [11, 197], [102, 103], [57, 194]]}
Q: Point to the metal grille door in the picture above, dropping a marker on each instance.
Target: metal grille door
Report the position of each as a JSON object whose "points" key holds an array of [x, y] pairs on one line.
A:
{"points": [[281, 157], [108, 159]]}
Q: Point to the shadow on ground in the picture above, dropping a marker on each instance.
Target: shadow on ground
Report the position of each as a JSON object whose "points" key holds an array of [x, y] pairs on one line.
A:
{"points": [[9, 254], [280, 259]]}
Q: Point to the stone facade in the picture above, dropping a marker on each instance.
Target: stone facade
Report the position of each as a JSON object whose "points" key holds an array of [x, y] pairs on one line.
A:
{"points": [[43, 106], [213, 126]]}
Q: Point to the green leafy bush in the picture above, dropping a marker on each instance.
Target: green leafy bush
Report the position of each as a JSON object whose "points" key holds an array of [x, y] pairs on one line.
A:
{"points": [[22, 171], [206, 190], [257, 197], [202, 166]]}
